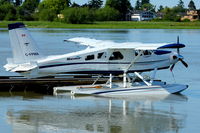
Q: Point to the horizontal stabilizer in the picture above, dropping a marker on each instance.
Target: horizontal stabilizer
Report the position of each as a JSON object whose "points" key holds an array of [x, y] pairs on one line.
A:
{"points": [[20, 67]]}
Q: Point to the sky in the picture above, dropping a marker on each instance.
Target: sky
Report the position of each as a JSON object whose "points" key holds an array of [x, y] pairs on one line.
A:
{"points": [[169, 3]]}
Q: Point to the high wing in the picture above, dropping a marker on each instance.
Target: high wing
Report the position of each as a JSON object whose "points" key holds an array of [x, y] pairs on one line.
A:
{"points": [[93, 43]]}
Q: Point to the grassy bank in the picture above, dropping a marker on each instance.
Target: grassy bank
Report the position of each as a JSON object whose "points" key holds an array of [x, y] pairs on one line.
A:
{"points": [[110, 25]]}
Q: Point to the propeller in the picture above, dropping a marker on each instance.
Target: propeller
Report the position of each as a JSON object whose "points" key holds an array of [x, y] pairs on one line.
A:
{"points": [[180, 58]]}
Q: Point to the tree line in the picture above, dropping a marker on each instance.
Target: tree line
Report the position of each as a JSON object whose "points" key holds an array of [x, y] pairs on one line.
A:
{"points": [[66, 11]]}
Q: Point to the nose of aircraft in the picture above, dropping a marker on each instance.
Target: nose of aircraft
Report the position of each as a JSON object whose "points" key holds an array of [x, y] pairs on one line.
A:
{"points": [[175, 58]]}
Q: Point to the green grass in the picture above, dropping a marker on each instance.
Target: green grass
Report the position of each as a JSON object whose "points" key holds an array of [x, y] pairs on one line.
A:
{"points": [[110, 25]]}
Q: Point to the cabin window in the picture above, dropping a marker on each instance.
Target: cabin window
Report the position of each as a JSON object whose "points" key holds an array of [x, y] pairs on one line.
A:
{"points": [[89, 57], [137, 53], [116, 56], [147, 52], [100, 55]]}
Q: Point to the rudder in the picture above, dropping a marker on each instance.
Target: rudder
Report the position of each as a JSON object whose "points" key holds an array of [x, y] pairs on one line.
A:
{"points": [[23, 46]]}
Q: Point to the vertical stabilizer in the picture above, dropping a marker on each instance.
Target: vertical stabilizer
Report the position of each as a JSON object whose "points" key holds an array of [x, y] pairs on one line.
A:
{"points": [[23, 45]]}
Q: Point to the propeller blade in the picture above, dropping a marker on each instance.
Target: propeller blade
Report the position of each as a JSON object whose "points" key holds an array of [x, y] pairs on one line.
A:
{"points": [[177, 39], [178, 49], [184, 63], [172, 67]]}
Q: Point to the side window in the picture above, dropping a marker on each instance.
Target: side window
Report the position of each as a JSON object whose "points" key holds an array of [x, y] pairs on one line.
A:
{"points": [[137, 53], [100, 55], [147, 52], [89, 57], [116, 56]]}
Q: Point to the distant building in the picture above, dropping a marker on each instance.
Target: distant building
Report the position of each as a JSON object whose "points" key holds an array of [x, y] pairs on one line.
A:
{"points": [[192, 15], [142, 15]]}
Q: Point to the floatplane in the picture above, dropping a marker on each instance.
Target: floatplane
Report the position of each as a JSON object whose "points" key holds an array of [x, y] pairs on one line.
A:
{"points": [[128, 60]]}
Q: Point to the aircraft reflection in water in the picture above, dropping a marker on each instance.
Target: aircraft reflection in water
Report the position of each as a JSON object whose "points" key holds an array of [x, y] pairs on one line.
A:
{"points": [[102, 115]]}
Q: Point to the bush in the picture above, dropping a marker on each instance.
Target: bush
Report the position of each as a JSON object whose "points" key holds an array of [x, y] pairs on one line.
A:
{"points": [[23, 14], [171, 14], [27, 10], [186, 20], [107, 14], [158, 20], [55, 5], [78, 15], [47, 15], [11, 15]]}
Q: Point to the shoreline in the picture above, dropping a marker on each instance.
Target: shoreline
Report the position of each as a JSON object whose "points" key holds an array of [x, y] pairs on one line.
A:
{"points": [[108, 25]]}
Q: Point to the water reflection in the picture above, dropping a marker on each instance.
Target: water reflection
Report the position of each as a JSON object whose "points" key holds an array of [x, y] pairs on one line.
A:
{"points": [[102, 115], [3, 30], [22, 95]]}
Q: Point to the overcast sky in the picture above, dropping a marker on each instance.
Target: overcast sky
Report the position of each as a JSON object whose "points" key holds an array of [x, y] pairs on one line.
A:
{"points": [[169, 3]]}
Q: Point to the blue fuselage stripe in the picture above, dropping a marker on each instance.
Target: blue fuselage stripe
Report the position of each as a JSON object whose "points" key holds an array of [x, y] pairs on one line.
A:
{"points": [[78, 63]]}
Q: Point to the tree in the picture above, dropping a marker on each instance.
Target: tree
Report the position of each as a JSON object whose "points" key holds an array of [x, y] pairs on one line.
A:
{"points": [[107, 14], [191, 5], [6, 1], [144, 5], [75, 5], [27, 9], [180, 7], [96, 4], [7, 11], [138, 5], [79, 15], [160, 8], [181, 4], [148, 7], [55, 5], [171, 14], [47, 15], [145, 2], [123, 6], [18, 2]]}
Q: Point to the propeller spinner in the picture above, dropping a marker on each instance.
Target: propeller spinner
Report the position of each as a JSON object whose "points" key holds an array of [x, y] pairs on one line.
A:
{"points": [[182, 61]]}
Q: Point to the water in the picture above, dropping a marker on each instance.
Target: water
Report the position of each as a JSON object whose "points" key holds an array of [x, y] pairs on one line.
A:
{"points": [[24, 112]]}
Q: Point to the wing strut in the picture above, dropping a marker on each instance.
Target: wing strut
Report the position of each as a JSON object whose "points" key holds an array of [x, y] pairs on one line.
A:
{"points": [[129, 66], [134, 60], [140, 76]]}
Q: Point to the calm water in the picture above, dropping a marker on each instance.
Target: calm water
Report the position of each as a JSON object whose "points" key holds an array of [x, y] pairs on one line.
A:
{"points": [[35, 113]]}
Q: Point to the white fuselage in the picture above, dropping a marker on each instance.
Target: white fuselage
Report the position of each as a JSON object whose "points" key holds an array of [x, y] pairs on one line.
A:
{"points": [[103, 61]]}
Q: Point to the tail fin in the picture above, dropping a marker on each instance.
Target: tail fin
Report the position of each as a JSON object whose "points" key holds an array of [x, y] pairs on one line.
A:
{"points": [[23, 46]]}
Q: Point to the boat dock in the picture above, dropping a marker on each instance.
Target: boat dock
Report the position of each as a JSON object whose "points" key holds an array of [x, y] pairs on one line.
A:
{"points": [[44, 85]]}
